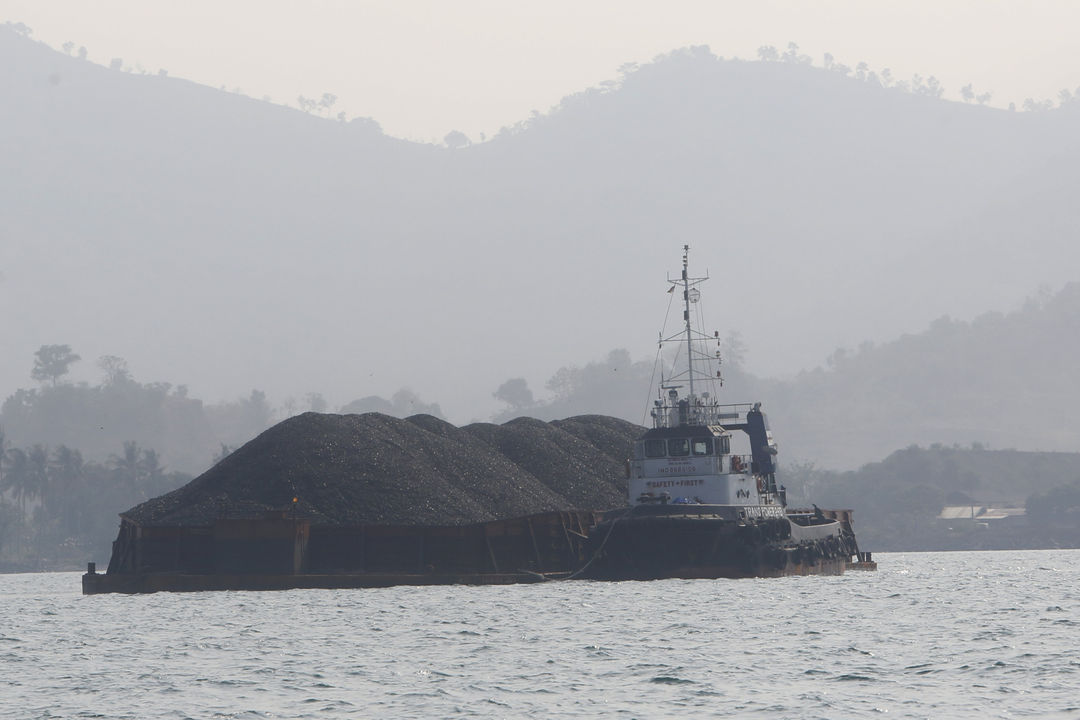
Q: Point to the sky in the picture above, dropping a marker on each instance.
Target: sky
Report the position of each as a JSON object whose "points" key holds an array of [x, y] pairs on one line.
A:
{"points": [[423, 68]]}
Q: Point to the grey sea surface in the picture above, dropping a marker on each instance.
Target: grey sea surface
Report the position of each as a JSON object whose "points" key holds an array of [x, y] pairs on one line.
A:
{"points": [[929, 635]]}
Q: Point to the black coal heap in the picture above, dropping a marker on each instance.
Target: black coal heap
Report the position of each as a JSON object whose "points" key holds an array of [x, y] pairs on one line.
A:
{"points": [[376, 469]]}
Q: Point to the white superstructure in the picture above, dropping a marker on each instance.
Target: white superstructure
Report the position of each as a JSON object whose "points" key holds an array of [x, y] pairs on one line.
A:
{"points": [[686, 458]]}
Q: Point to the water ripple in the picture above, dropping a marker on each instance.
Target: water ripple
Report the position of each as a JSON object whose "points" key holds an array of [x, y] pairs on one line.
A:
{"points": [[956, 635]]}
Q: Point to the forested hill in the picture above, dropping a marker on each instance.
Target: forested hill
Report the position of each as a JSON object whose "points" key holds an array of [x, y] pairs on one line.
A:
{"points": [[898, 501], [259, 246], [1002, 380]]}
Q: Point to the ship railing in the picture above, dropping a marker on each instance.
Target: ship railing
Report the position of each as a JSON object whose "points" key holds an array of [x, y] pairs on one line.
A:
{"points": [[733, 411], [703, 414], [733, 414]]}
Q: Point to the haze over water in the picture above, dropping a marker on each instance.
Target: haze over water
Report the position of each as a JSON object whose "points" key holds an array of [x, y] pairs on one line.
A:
{"points": [[957, 635]]}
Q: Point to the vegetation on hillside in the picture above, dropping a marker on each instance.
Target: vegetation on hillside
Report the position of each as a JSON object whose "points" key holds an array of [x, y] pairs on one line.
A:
{"points": [[74, 455], [58, 510], [787, 176], [897, 501], [1002, 380]]}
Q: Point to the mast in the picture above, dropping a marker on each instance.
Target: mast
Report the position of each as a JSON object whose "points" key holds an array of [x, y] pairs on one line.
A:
{"points": [[672, 410], [686, 317]]}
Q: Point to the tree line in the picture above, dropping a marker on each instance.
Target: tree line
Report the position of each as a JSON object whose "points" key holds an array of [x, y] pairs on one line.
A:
{"points": [[59, 510], [898, 501], [74, 455], [918, 85]]}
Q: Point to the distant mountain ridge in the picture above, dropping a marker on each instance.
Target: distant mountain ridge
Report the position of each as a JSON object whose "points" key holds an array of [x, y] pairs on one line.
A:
{"points": [[1004, 381], [899, 499], [236, 244], [1000, 381]]}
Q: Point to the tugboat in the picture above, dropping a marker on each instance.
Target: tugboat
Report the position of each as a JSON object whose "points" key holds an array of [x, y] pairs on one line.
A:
{"points": [[699, 508]]}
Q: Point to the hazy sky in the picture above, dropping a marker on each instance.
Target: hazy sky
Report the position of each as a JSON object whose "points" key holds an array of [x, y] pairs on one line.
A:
{"points": [[423, 68]]}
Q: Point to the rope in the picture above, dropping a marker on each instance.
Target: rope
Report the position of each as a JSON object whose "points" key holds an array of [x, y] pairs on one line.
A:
{"points": [[600, 549]]}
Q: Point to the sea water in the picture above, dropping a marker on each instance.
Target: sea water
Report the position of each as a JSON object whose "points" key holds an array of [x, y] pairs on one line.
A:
{"points": [[929, 635]]}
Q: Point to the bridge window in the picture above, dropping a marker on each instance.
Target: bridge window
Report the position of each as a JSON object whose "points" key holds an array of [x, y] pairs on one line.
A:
{"points": [[655, 448], [678, 447], [723, 444], [701, 446]]}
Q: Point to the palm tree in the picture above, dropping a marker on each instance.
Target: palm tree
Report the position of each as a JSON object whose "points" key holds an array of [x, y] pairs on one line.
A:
{"points": [[9, 518], [126, 468], [18, 478], [65, 480], [37, 461], [151, 472], [3, 457]]}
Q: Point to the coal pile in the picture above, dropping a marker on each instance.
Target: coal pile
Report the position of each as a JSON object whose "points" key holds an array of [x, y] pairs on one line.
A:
{"points": [[563, 462], [376, 469]]}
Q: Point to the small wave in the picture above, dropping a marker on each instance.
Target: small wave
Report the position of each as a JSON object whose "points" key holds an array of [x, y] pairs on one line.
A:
{"points": [[228, 682], [848, 677], [335, 705], [669, 680]]}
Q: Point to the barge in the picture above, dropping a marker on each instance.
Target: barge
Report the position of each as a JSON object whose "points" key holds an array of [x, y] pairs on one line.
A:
{"points": [[702, 501]]}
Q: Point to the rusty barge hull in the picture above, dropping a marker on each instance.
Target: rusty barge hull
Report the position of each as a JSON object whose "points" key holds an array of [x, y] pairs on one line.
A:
{"points": [[283, 553], [702, 541], [280, 552]]}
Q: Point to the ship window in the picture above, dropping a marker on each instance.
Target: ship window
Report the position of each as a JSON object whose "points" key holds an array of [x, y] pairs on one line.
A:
{"points": [[678, 447], [654, 448], [725, 444], [702, 446]]}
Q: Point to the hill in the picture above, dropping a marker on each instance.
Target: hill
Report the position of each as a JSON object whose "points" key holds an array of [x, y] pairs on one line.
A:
{"points": [[898, 500], [1002, 380], [236, 244]]}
